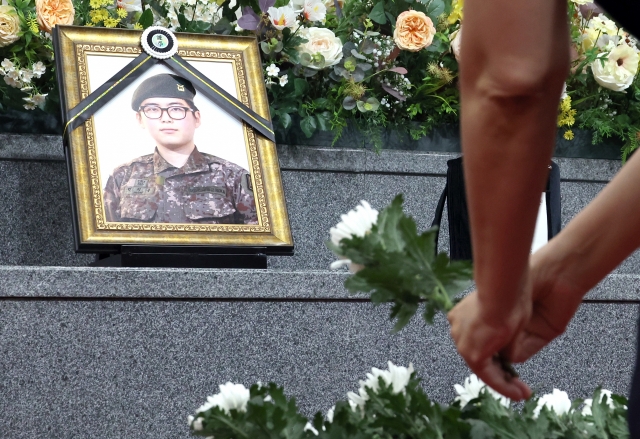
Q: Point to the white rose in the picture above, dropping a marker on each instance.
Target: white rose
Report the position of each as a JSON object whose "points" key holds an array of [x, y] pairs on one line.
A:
{"points": [[618, 69], [9, 25], [324, 42]]}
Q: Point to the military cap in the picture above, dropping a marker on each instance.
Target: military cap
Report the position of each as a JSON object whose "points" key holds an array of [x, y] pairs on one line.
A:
{"points": [[163, 86]]}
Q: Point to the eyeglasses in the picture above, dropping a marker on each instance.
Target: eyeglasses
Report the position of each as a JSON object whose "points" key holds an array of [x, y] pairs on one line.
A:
{"points": [[155, 112]]}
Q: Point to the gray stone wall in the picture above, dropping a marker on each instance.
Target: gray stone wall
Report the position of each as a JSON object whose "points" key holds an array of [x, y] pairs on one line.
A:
{"points": [[129, 353]]}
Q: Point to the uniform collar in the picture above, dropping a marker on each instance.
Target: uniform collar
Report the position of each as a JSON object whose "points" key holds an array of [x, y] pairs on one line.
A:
{"points": [[195, 163]]}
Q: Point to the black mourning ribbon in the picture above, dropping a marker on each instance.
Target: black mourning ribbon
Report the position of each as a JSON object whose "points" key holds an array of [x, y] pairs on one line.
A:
{"points": [[107, 91]]}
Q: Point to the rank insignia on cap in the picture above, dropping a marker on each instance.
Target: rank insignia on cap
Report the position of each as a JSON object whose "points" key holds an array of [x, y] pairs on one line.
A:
{"points": [[180, 87]]}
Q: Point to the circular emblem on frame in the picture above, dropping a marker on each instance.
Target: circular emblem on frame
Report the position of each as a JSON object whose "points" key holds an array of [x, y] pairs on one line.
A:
{"points": [[159, 42]]}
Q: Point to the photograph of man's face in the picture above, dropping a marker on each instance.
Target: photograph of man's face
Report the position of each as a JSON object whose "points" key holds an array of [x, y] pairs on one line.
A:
{"points": [[176, 182]]}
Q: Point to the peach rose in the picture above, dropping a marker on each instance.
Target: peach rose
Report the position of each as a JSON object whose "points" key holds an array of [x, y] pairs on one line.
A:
{"points": [[414, 31], [52, 12]]}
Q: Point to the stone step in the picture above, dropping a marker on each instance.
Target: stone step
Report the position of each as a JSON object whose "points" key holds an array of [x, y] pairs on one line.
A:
{"points": [[130, 353], [80, 283]]}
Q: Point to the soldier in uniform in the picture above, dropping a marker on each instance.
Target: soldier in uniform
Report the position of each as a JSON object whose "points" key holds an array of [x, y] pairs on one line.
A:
{"points": [[177, 183]]}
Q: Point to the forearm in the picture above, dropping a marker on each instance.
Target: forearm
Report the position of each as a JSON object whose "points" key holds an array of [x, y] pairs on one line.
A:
{"points": [[601, 236], [510, 94]]}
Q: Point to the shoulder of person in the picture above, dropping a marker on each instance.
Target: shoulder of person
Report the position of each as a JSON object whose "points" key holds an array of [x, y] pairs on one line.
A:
{"points": [[145, 159], [214, 160]]}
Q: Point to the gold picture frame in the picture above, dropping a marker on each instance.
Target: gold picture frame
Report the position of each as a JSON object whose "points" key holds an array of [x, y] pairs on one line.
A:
{"points": [[85, 58]]}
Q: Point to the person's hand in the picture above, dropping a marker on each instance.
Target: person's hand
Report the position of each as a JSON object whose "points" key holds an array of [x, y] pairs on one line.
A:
{"points": [[555, 300], [481, 334]]}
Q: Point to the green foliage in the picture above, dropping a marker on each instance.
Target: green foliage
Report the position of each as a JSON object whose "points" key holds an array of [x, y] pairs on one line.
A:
{"points": [[374, 88], [410, 414], [401, 267]]}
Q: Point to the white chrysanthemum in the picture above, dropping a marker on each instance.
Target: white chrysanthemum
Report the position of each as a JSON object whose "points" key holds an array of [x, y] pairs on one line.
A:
{"points": [[355, 223], [617, 71], [473, 387], [196, 424], [558, 401], [330, 413], [310, 428], [282, 17], [231, 397], [586, 410], [396, 376], [272, 70]]}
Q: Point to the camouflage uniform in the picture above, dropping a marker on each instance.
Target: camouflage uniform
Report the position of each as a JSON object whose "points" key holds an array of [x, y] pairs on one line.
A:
{"points": [[206, 190]]}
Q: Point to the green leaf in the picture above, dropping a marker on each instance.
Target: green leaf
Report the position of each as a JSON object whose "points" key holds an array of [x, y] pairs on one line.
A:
{"points": [[435, 8], [321, 103], [324, 120], [308, 126], [300, 86], [146, 19], [377, 13], [285, 120], [387, 225]]}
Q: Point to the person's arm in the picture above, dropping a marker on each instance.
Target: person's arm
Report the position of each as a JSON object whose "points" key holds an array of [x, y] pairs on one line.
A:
{"points": [[111, 197], [570, 265], [514, 60]]}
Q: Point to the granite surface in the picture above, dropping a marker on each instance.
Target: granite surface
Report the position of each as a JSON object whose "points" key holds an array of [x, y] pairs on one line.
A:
{"points": [[129, 369], [309, 157], [217, 284], [171, 283], [32, 186], [31, 147], [315, 201], [36, 215]]}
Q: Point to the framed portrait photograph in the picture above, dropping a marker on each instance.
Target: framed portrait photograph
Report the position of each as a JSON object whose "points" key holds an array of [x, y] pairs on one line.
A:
{"points": [[168, 150]]}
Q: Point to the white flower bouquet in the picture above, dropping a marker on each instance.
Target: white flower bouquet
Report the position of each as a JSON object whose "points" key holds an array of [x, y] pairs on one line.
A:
{"points": [[391, 404], [394, 263]]}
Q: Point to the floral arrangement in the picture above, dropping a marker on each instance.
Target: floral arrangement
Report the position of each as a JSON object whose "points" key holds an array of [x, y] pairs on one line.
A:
{"points": [[391, 404], [375, 64], [388, 257]]}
